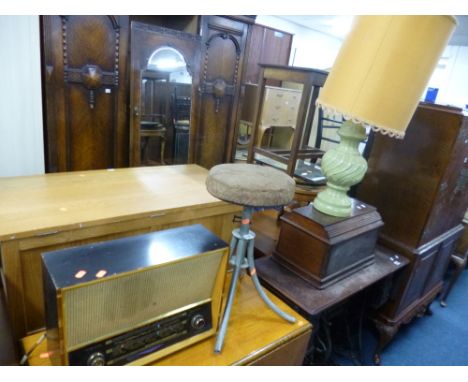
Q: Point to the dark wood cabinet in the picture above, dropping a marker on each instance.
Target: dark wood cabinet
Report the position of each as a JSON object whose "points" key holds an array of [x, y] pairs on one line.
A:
{"points": [[85, 91], [418, 185]]}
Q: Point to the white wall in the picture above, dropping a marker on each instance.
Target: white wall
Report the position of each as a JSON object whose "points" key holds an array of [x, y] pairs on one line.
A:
{"points": [[21, 139], [451, 77], [310, 48]]}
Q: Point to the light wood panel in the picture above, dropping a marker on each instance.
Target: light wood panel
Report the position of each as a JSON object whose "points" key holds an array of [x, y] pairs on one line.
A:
{"points": [[38, 204], [255, 335]]}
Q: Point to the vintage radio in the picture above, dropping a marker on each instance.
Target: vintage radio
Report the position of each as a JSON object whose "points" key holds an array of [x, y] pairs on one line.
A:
{"points": [[135, 299]]}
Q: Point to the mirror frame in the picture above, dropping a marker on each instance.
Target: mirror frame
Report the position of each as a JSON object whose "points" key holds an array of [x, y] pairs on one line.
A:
{"points": [[145, 40]]}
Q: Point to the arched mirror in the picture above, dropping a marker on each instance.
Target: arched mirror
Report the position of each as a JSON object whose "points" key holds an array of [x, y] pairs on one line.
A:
{"points": [[164, 86]]}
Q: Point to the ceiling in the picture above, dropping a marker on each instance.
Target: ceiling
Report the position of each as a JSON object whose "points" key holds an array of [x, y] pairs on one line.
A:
{"points": [[338, 26]]}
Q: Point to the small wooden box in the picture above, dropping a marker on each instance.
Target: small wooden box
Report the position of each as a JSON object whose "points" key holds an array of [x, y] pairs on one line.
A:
{"points": [[324, 249]]}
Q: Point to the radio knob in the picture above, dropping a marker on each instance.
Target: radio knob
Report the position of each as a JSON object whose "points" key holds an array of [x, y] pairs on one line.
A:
{"points": [[96, 359], [198, 321]]}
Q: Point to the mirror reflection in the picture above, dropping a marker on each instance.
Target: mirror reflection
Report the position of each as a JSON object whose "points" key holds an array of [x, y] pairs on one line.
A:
{"points": [[166, 88], [279, 115]]}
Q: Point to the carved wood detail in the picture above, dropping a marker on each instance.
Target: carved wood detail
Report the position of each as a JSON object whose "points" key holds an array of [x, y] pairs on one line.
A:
{"points": [[92, 77], [218, 87], [165, 31]]}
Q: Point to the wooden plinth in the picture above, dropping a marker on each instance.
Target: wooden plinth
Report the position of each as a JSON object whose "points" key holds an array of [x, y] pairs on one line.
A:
{"points": [[324, 249]]}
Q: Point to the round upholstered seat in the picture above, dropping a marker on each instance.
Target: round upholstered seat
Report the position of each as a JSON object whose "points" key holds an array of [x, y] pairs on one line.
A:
{"points": [[250, 185]]}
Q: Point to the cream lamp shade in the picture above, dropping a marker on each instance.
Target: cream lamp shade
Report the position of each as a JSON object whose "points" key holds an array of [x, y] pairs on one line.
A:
{"points": [[383, 68], [377, 80]]}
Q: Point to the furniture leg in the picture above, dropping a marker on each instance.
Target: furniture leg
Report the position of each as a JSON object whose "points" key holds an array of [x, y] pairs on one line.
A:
{"points": [[459, 264], [144, 149], [361, 324], [163, 148], [428, 311], [328, 345], [386, 334]]}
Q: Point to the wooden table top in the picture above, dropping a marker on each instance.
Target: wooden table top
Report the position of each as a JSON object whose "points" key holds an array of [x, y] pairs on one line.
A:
{"points": [[35, 204], [297, 292], [253, 330]]}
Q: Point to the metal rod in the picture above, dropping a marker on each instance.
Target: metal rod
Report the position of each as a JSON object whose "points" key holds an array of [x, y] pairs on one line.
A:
{"points": [[232, 291], [253, 275]]}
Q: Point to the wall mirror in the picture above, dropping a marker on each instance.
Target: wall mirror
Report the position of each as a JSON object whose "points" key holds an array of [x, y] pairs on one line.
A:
{"points": [[164, 86]]}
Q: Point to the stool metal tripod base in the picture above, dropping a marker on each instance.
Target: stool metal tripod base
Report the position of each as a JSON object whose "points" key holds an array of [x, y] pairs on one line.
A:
{"points": [[242, 243]]}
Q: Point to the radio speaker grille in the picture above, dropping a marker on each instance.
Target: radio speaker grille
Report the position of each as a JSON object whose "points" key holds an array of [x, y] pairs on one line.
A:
{"points": [[115, 305]]}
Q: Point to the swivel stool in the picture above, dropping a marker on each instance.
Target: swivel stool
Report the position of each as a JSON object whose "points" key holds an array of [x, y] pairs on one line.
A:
{"points": [[251, 186]]}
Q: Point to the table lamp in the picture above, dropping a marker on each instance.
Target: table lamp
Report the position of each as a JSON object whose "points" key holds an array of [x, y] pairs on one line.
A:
{"points": [[376, 81]]}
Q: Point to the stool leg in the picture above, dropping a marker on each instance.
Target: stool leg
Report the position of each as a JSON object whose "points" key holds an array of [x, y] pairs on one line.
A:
{"points": [[232, 291], [232, 248], [253, 275]]}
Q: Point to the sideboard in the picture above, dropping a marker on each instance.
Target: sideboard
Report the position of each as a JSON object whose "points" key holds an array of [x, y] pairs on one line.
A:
{"points": [[53, 211]]}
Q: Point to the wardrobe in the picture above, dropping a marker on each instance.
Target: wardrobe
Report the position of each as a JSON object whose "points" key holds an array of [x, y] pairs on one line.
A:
{"points": [[105, 106]]}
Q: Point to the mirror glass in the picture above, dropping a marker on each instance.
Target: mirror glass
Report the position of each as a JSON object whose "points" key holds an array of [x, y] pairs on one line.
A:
{"points": [[166, 90]]}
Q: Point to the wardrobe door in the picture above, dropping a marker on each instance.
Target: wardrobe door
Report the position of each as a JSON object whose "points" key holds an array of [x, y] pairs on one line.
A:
{"points": [[265, 46], [223, 48], [84, 69]]}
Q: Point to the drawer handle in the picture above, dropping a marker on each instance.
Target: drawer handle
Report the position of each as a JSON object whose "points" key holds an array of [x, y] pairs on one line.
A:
{"points": [[279, 95], [47, 233], [157, 215], [278, 107]]}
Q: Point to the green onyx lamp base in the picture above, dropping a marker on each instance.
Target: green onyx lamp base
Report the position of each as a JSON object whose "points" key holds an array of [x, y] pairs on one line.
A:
{"points": [[333, 201], [343, 167]]}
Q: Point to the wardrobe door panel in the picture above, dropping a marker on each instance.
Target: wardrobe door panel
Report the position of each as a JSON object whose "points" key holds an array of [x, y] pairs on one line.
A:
{"points": [[223, 44], [84, 65]]}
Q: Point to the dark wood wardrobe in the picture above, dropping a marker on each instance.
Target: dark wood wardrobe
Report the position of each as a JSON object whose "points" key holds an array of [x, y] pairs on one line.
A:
{"points": [[418, 185], [87, 81]]}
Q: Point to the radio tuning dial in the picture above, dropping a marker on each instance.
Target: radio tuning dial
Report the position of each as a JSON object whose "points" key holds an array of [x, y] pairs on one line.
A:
{"points": [[96, 359], [198, 321]]}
